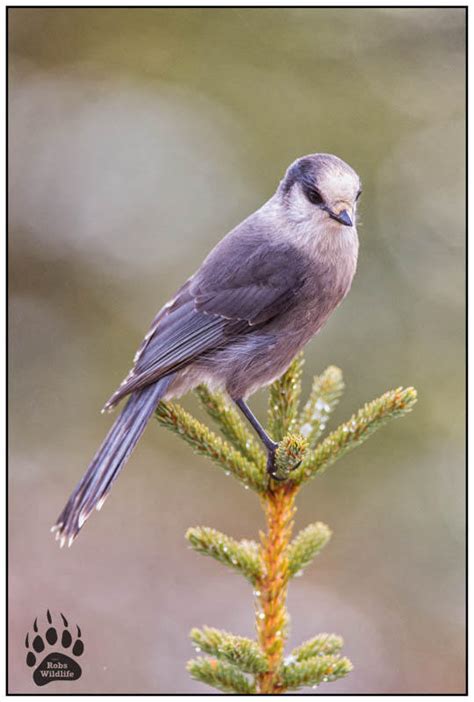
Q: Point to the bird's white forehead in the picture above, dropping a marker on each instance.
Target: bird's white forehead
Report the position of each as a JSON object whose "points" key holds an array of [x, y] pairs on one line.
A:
{"points": [[339, 182]]}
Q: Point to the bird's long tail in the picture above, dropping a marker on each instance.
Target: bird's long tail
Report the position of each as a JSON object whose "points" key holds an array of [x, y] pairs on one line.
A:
{"points": [[97, 482]]}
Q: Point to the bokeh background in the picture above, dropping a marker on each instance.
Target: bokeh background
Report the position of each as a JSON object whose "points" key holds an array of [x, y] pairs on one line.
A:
{"points": [[137, 139]]}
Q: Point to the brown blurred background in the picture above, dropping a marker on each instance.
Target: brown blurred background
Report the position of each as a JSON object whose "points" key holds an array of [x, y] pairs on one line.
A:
{"points": [[137, 139]]}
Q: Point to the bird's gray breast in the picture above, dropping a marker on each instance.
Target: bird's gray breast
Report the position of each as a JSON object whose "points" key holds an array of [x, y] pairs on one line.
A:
{"points": [[327, 281]]}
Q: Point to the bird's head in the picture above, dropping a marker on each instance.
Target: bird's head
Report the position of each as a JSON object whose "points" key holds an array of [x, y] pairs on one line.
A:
{"points": [[321, 189]]}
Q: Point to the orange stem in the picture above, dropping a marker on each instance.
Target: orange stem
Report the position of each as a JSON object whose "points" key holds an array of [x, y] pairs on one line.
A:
{"points": [[272, 618]]}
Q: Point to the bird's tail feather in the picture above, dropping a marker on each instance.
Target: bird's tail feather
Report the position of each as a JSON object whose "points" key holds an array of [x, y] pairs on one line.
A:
{"points": [[97, 482]]}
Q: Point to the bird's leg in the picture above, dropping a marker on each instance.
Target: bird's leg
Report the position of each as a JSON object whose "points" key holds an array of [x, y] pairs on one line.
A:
{"points": [[269, 444]]}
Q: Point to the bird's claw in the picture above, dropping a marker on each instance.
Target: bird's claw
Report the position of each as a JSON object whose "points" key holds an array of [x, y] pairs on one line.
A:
{"points": [[271, 466]]}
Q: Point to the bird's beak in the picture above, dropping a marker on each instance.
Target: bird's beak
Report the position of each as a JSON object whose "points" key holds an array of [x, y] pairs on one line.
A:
{"points": [[342, 217]]}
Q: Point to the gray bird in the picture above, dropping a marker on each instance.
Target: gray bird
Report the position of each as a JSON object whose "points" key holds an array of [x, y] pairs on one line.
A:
{"points": [[238, 322]]}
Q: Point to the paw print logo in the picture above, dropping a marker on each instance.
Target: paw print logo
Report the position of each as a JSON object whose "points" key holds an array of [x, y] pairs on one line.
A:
{"points": [[53, 654]]}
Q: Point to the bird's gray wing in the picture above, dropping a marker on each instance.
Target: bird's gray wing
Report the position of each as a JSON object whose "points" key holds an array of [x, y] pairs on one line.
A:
{"points": [[180, 335], [221, 302], [249, 283]]}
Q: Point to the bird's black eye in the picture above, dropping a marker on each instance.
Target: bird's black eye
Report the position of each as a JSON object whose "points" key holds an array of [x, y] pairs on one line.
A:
{"points": [[314, 196], [358, 195]]}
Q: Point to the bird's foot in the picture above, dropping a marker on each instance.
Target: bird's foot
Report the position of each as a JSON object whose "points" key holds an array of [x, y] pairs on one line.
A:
{"points": [[271, 464]]}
